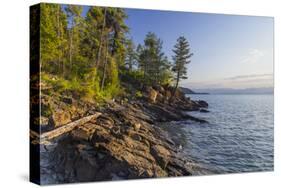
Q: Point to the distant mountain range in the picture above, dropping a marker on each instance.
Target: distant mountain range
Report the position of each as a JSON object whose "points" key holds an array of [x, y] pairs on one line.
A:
{"points": [[268, 90]]}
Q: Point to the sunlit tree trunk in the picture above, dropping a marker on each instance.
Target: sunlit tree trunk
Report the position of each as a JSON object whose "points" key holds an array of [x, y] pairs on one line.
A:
{"points": [[104, 64], [177, 84], [70, 46], [59, 39]]}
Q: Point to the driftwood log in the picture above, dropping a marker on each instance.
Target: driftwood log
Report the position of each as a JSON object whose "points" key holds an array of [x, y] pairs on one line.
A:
{"points": [[46, 137]]}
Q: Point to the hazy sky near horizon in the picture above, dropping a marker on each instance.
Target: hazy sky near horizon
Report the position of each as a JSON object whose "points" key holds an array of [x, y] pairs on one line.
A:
{"points": [[230, 51]]}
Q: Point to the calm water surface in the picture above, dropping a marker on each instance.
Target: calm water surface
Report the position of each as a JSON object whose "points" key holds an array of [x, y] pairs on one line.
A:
{"points": [[238, 137]]}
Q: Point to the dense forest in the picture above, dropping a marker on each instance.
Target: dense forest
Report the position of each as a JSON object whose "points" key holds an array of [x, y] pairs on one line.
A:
{"points": [[89, 55]]}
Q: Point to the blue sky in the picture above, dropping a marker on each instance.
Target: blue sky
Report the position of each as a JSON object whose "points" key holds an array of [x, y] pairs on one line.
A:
{"points": [[230, 51]]}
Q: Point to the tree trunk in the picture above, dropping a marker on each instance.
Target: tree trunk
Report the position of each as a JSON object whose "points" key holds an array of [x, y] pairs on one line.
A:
{"points": [[48, 136], [145, 71], [71, 44], [70, 47], [113, 51], [60, 64], [130, 65], [101, 36], [176, 87], [104, 65]]}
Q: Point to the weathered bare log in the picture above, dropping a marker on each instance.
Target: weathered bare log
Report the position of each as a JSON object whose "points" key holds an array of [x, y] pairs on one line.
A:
{"points": [[34, 134], [62, 130]]}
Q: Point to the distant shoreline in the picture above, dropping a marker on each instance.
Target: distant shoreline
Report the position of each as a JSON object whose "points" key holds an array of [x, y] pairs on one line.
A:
{"points": [[189, 91], [230, 94], [198, 93], [225, 91]]}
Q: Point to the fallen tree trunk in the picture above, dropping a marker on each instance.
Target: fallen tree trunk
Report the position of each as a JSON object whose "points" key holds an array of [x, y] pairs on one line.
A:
{"points": [[45, 137]]}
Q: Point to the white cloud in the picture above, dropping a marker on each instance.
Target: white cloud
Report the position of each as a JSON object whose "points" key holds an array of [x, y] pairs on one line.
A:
{"points": [[253, 56], [250, 76]]}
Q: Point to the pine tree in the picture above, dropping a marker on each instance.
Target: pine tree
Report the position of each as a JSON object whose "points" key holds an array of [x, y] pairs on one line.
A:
{"points": [[114, 41], [53, 26], [87, 54], [151, 59], [181, 59], [131, 55], [92, 35], [118, 29], [74, 26]]}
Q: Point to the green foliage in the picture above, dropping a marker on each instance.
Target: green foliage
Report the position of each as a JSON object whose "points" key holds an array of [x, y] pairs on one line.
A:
{"points": [[71, 47], [53, 28], [86, 56], [61, 85], [136, 74], [166, 77], [181, 59], [131, 55], [152, 61], [139, 94], [46, 110]]}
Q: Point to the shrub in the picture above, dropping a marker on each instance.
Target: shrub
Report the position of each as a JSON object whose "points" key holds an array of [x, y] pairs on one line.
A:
{"points": [[139, 94]]}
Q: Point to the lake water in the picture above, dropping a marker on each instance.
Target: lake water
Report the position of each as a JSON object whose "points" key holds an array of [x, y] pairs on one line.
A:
{"points": [[238, 137]]}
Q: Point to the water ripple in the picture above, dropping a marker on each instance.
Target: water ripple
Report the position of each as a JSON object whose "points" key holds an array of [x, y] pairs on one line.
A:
{"points": [[239, 137]]}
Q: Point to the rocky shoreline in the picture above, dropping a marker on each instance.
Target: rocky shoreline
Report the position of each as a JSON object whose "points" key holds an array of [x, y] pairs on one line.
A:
{"points": [[125, 142]]}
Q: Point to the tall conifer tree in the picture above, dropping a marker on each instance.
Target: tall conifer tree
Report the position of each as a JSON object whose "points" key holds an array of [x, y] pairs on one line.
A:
{"points": [[181, 59]]}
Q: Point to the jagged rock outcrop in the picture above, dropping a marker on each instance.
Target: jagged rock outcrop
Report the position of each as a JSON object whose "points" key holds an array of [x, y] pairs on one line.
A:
{"points": [[124, 142], [120, 144]]}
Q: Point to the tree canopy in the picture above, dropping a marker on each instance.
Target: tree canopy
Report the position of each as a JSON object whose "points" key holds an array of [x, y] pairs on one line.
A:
{"points": [[181, 59], [86, 55]]}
